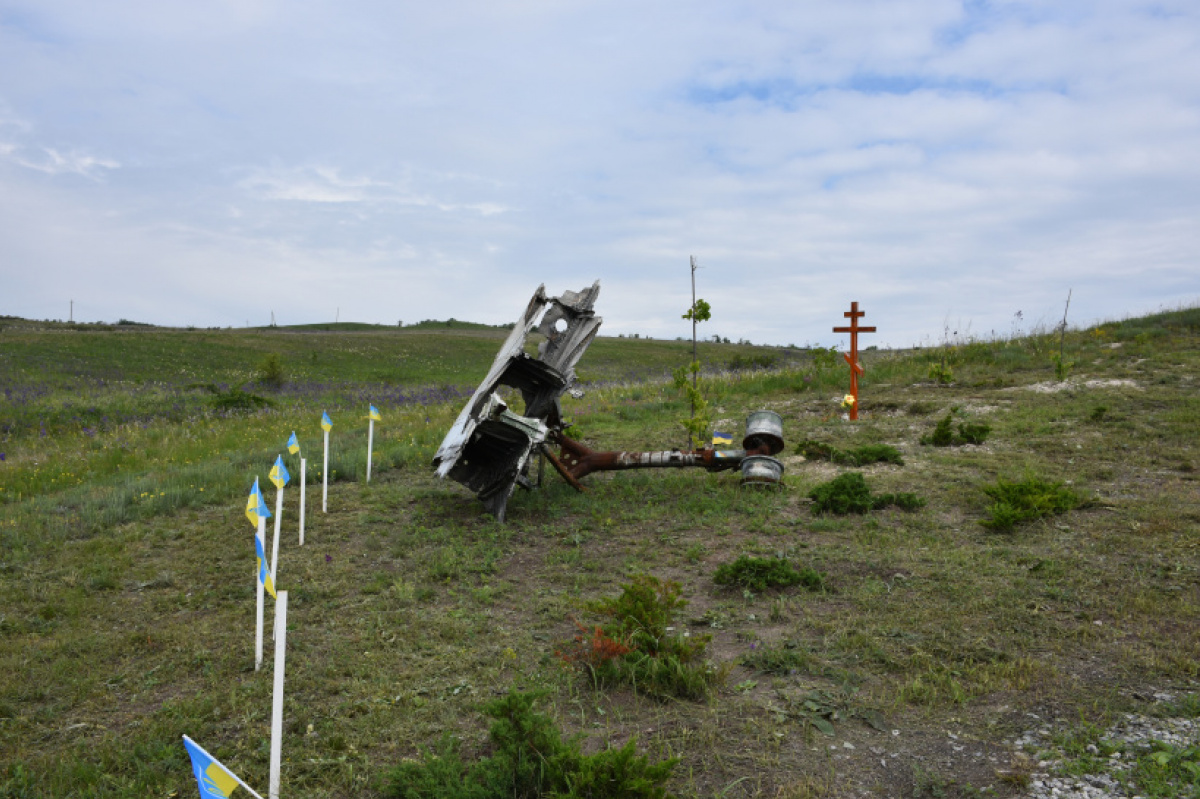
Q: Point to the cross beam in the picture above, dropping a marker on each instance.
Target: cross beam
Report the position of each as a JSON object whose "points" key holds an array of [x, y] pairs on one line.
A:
{"points": [[851, 357]]}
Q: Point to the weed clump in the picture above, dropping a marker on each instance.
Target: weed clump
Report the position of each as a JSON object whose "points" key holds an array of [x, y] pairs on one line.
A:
{"points": [[849, 493], [943, 434], [639, 647], [1026, 500], [530, 760], [856, 456], [759, 574], [786, 657]]}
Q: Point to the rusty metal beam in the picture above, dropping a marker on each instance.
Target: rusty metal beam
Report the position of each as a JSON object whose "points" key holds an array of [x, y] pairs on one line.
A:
{"points": [[576, 460]]}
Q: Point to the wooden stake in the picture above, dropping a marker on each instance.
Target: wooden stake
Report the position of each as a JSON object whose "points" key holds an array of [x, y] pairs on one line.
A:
{"points": [[325, 477]]}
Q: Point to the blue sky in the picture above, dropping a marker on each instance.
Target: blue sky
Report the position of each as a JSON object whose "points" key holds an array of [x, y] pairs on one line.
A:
{"points": [[945, 164]]}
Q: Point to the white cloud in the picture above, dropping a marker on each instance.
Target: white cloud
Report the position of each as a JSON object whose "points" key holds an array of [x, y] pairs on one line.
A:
{"points": [[925, 158], [52, 162]]}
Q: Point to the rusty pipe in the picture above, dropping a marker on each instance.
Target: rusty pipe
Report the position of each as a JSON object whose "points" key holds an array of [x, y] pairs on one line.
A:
{"points": [[576, 461]]}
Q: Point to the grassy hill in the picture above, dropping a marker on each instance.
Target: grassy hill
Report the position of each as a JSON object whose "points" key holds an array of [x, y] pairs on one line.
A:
{"points": [[910, 667]]}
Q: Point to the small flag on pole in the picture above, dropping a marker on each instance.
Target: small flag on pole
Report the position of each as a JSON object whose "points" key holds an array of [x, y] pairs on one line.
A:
{"points": [[255, 507], [293, 445], [373, 415], [264, 574], [215, 781], [326, 424], [722, 439], [279, 473]]}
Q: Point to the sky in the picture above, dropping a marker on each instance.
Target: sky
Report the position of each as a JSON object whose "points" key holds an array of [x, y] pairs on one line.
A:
{"points": [[957, 168]]}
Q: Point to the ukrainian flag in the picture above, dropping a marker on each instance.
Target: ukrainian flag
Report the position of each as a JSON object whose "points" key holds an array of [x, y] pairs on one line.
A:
{"points": [[293, 444], [215, 781], [255, 507], [264, 574], [279, 473], [722, 440], [374, 414], [326, 424]]}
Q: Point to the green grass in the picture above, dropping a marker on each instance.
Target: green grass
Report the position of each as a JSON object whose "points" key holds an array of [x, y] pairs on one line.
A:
{"points": [[126, 563]]}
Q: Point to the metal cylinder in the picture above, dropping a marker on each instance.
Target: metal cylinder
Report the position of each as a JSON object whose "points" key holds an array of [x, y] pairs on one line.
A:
{"points": [[764, 427], [761, 470]]}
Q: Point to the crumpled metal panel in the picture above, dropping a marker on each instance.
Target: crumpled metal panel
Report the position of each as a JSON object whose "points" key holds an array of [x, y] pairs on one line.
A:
{"points": [[488, 447]]}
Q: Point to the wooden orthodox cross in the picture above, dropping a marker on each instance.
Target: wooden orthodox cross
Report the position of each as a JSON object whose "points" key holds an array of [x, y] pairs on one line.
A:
{"points": [[851, 357]]}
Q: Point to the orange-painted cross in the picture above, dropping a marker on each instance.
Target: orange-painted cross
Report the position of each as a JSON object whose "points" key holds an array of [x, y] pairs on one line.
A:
{"points": [[851, 357]]}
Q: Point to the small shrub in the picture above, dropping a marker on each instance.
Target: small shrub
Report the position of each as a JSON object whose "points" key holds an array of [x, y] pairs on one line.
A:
{"points": [[942, 373], [846, 493], [824, 358], [849, 493], [974, 433], [1026, 500], [234, 400], [638, 646], [857, 456], [270, 372], [643, 611], [758, 574], [530, 760], [943, 434]]}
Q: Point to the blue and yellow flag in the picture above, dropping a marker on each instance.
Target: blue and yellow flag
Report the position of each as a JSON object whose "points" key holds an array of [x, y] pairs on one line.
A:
{"points": [[264, 574], [374, 414], [722, 440], [215, 781], [326, 424], [293, 444], [279, 473], [255, 507]]}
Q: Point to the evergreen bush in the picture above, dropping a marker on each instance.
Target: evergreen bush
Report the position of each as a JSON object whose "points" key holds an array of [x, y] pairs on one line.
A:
{"points": [[530, 760], [638, 646], [849, 493], [758, 574], [1025, 500]]}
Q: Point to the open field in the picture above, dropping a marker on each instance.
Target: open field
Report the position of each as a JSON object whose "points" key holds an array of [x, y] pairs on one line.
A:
{"points": [[932, 647]]}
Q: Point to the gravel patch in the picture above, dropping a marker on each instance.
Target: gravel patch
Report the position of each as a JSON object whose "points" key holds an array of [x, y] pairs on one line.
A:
{"points": [[1111, 763]]}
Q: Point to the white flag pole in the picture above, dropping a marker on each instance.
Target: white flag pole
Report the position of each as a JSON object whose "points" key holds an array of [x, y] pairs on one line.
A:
{"points": [[277, 702], [325, 477], [303, 484], [370, 441], [275, 548], [258, 631], [275, 545]]}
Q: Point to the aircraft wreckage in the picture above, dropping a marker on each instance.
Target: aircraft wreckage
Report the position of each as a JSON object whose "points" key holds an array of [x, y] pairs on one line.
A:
{"points": [[489, 448]]}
